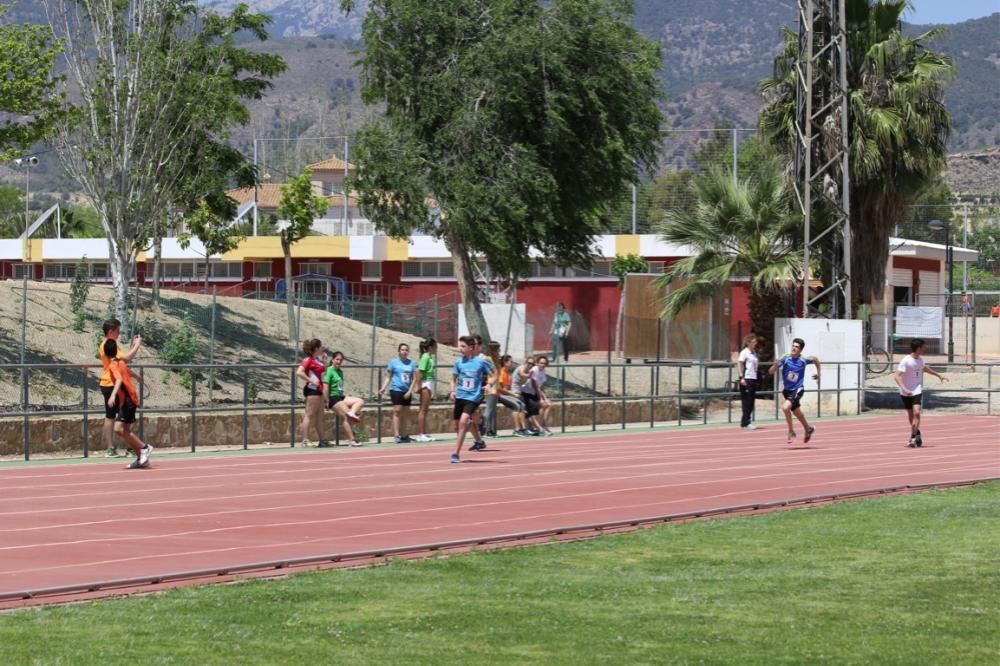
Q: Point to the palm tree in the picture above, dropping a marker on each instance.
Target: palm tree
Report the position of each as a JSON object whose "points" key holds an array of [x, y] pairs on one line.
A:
{"points": [[897, 123], [745, 229]]}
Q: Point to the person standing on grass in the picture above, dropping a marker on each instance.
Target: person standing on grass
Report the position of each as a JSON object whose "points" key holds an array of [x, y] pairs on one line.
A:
{"points": [[747, 366], [126, 400], [793, 378], [910, 379], [423, 384], [311, 371], [347, 407], [468, 376], [398, 381], [112, 329], [561, 324]]}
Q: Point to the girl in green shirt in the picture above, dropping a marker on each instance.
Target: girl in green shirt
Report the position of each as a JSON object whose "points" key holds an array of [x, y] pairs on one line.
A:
{"points": [[348, 407], [423, 382]]}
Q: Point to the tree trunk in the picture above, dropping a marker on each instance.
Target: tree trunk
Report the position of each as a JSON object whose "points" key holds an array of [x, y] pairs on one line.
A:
{"points": [[121, 266], [462, 263], [157, 266], [293, 336]]}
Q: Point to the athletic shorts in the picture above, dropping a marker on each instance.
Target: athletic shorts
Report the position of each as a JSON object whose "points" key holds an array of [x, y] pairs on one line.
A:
{"points": [[399, 398], [427, 384], [126, 414], [109, 412], [794, 397], [307, 392], [532, 404], [910, 400], [464, 407], [334, 399]]}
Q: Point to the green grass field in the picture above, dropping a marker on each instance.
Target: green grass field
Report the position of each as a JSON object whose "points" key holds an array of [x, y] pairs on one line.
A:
{"points": [[911, 579]]}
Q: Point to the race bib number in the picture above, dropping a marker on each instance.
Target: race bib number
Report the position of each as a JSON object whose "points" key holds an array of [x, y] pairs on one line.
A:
{"points": [[468, 384], [405, 377], [793, 377]]}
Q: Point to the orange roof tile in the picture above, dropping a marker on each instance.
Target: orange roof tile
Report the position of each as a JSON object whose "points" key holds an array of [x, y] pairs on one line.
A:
{"points": [[269, 196], [332, 164]]}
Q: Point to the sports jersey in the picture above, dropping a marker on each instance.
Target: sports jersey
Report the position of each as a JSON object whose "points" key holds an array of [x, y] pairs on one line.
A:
{"points": [[402, 374], [913, 374], [427, 367], [793, 371], [106, 378], [469, 376], [314, 370], [505, 380], [334, 378]]}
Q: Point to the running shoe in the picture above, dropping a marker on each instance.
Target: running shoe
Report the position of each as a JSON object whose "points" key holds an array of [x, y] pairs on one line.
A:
{"points": [[918, 440], [809, 433], [405, 439], [134, 465], [357, 443], [520, 433], [913, 442], [791, 438], [397, 440], [454, 458], [534, 433], [478, 446], [749, 427], [111, 453], [323, 444], [353, 417], [143, 459], [546, 432], [306, 444]]}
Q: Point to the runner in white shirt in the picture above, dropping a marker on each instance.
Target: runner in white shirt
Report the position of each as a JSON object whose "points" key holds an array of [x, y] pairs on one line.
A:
{"points": [[747, 366], [910, 378]]}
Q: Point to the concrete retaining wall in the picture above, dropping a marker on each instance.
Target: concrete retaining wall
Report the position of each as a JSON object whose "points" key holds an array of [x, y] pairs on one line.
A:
{"points": [[56, 434]]}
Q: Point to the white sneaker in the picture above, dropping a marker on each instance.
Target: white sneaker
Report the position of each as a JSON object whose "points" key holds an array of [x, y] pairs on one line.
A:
{"points": [[424, 438], [144, 455], [357, 443], [750, 427], [306, 443], [353, 417]]}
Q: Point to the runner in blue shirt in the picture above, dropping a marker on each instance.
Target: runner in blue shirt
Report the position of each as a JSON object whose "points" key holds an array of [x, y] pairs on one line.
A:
{"points": [[467, 378], [793, 377], [398, 380]]}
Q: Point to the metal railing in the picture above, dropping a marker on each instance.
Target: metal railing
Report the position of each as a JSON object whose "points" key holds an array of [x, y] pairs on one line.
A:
{"points": [[700, 392]]}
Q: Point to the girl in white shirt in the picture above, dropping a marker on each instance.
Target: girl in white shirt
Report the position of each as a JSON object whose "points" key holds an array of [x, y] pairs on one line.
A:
{"points": [[747, 365]]}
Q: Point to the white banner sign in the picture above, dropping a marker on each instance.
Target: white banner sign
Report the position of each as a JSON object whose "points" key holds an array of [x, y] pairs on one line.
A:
{"points": [[914, 322]]}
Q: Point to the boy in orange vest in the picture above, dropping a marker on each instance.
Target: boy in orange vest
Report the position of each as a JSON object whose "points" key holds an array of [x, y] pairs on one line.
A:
{"points": [[126, 398], [112, 328]]}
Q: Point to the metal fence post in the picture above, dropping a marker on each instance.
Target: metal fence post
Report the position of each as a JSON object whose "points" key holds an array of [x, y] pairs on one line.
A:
{"points": [[194, 411], [838, 389], [86, 416], [652, 407], [562, 396], [246, 416], [624, 394], [593, 399], [26, 430], [291, 412], [680, 383], [729, 389], [989, 390]]}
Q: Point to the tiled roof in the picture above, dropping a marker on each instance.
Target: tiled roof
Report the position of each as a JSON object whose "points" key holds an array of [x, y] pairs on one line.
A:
{"points": [[269, 196], [332, 164]]}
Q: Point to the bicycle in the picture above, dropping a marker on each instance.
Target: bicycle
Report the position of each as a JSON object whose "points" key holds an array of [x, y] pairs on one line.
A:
{"points": [[877, 360]]}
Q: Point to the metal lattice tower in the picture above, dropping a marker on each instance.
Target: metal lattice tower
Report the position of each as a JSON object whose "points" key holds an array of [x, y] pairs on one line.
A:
{"points": [[822, 177]]}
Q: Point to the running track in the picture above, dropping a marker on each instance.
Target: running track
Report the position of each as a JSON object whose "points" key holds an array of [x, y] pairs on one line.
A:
{"points": [[71, 524]]}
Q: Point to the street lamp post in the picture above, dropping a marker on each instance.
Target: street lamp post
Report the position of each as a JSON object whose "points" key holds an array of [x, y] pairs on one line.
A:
{"points": [[27, 163], [949, 254]]}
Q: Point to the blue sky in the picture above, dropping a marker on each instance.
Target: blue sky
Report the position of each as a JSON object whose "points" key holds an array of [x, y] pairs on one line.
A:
{"points": [[950, 11]]}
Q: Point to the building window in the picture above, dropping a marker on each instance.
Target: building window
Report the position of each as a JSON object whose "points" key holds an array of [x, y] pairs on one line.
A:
{"points": [[315, 268], [227, 270], [59, 271], [24, 270], [428, 269], [656, 266], [262, 270], [371, 270]]}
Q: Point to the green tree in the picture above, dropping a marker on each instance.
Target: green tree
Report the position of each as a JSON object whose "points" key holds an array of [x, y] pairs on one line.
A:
{"points": [[214, 233], [157, 79], [898, 125], [299, 207], [79, 289], [509, 125], [11, 211], [744, 229], [81, 221], [985, 238], [28, 92]]}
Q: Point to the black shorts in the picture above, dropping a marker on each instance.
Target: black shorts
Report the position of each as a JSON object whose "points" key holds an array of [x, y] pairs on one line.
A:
{"points": [[399, 398], [532, 405], [334, 399], [794, 397], [126, 412], [464, 407], [109, 412], [910, 400], [307, 392]]}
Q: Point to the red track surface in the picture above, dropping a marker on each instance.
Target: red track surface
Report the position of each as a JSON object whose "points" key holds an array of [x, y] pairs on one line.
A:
{"points": [[66, 525]]}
